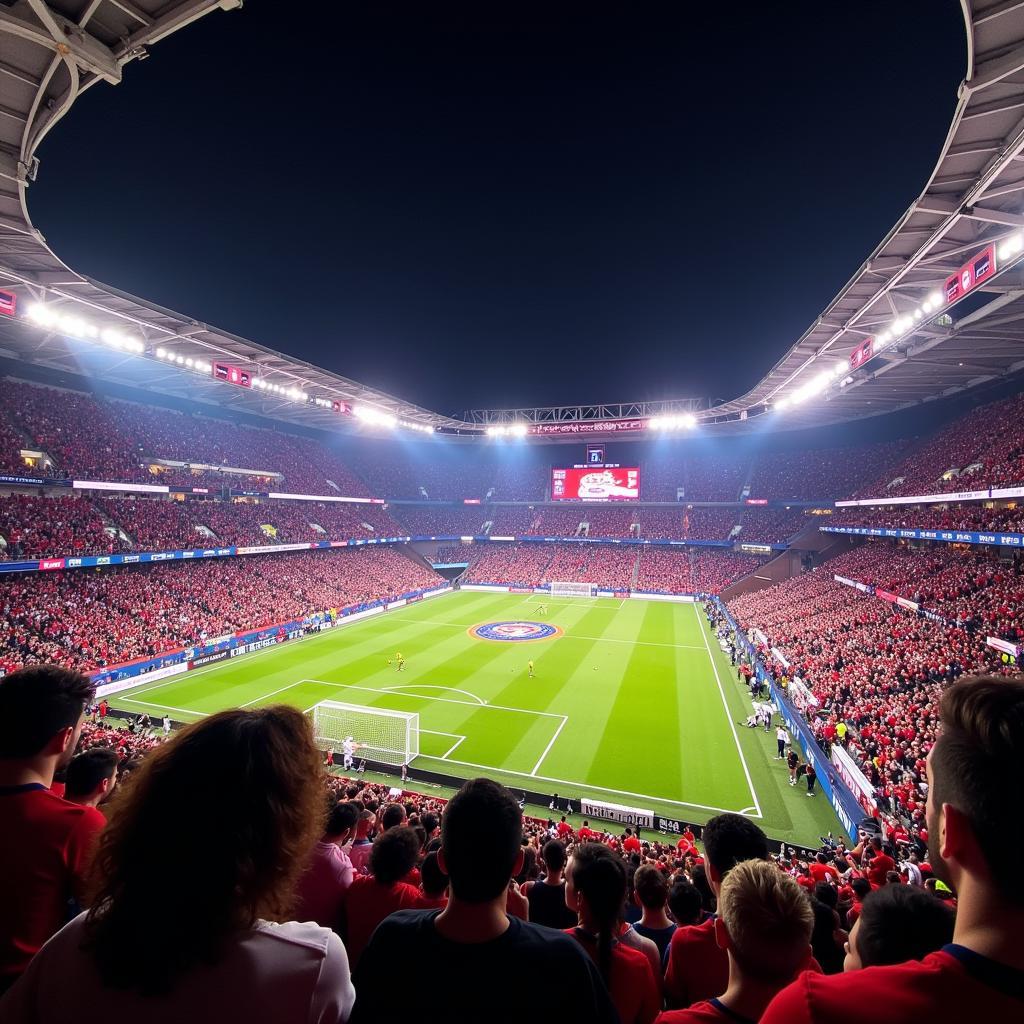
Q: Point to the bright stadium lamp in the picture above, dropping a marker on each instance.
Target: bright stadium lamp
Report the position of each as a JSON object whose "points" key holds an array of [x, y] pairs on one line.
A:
{"points": [[689, 420]]}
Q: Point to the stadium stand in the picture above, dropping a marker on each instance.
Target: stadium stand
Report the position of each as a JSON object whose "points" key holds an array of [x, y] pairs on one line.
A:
{"points": [[822, 473], [89, 620], [879, 668], [766, 525], [976, 516]]}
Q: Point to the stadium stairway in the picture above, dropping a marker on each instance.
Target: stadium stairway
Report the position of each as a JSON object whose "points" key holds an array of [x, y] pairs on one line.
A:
{"points": [[808, 549]]}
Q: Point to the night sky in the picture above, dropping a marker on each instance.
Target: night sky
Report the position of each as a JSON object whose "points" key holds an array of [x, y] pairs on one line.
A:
{"points": [[483, 206]]}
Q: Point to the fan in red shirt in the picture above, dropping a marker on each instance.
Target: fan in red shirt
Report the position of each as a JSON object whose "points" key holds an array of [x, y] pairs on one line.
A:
{"points": [[764, 926], [822, 871], [698, 968], [564, 829], [371, 898], [881, 863], [975, 838], [595, 887], [47, 842], [586, 833], [631, 844]]}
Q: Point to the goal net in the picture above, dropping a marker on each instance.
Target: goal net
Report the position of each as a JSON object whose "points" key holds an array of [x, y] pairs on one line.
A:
{"points": [[389, 736], [573, 589]]}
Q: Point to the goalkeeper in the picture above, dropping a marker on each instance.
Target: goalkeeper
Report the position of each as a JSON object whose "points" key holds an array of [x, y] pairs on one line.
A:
{"points": [[348, 749]]}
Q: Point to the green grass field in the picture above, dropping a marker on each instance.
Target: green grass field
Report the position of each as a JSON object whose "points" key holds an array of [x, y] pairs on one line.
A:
{"points": [[634, 703]]}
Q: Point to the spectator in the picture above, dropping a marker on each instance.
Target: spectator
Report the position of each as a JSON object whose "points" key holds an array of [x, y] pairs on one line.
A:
{"points": [[650, 887], [492, 965], [91, 778], [684, 901], [234, 860], [329, 872], [546, 896], [362, 845], [596, 888], [46, 840], [697, 967], [433, 883], [975, 836], [373, 897], [764, 926], [898, 923]]}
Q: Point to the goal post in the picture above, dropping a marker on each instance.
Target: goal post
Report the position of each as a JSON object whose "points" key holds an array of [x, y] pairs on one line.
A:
{"points": [[392, 737], [573, 589]]}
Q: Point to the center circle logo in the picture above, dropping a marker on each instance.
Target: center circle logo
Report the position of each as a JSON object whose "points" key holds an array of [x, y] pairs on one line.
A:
{"points": [[516, 631]]}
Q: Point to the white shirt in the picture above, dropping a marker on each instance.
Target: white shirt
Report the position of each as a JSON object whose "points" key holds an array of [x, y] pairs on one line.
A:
{"points": [[272, 973], [349, 747], [781, 734]]}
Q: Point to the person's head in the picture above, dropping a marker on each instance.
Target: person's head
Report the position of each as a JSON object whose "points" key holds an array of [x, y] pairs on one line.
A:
{"points": [[699, 877], [898, 923], [341, 821], [974, 833], [428, 822], [684, 901], [236, 848], [393, 816], [730, 839], [827, 894], [481, 833], [553, 855], [595, 887], [393, 855], [432, 878], [861, 888], [91, 776], [650, 887], [764, 921], [41, 712]]}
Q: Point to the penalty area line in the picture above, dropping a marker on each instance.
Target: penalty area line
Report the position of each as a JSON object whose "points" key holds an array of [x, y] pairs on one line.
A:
{"points": [[551, 743]]}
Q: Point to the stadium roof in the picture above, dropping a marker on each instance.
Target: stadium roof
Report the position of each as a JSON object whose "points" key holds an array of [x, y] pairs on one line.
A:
{"points": [[911, 346]]}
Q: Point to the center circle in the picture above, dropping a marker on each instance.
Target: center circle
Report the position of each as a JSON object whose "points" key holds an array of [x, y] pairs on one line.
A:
{"points": [[514, 631]]}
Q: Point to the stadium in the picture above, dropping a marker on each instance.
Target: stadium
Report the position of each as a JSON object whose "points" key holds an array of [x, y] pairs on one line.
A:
{"points": [[651, 622]]}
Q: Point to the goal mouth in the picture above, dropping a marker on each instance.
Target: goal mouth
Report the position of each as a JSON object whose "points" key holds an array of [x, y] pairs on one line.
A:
{"points": [[560, 588], [376, 734]]}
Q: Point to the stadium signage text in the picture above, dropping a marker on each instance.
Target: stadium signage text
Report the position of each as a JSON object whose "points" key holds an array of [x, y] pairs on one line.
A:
{"points": [[616, 812], [1013, 540]]}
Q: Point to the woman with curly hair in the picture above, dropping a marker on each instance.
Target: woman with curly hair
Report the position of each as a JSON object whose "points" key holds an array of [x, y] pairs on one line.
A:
{"points": [[191, 887]]}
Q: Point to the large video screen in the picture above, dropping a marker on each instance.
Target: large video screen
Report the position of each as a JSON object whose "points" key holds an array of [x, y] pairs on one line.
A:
{"points": [[595, 483]]}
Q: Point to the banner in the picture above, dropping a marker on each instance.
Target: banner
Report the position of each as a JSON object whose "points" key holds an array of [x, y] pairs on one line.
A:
{"points": [[1003, 645], [1013, 540], [616, 812], [854, 778]]}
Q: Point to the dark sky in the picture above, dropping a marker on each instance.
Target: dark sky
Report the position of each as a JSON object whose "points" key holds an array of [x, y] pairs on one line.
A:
{"points": [[492, 205]]}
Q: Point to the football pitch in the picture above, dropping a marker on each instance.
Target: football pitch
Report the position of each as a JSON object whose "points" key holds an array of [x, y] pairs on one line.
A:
{"points": [[632, 702]]}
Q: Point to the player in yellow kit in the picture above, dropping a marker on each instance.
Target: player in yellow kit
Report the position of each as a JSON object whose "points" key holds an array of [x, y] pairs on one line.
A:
{"points": [[400, 660], [529, 666]]}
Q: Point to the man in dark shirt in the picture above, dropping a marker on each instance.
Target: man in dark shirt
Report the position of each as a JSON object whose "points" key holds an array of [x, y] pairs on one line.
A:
{"points": [[476, 961]]}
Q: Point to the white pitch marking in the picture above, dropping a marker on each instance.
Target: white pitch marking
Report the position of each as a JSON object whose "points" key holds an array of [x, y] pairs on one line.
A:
{"points": [[265, 695], [540, 760], [425, 686], [444, 756], [427, 696], [164, 707], [586, 786], [725, 706]]}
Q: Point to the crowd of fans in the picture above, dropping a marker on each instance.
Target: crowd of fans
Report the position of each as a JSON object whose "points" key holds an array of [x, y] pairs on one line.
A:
{"points": [[310, 895], [88, 620], [660, 569], [766, 525], [981, 517], [984, 448], [36, 527], [876, 670], [822, 473]]}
